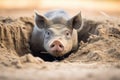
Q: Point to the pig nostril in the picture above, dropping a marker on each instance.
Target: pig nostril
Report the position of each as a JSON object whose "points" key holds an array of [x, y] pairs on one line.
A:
{"points": [[52, 45], [61, 46]]}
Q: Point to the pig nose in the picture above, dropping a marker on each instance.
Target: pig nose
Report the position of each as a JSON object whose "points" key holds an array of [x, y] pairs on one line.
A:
{"points": [[57, 46]]}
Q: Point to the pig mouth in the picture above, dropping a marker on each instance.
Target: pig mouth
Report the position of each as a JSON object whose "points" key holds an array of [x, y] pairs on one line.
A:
{"points": [[57, 53]]}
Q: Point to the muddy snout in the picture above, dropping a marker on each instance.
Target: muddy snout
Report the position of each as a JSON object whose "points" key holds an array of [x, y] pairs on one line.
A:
{"points": [[56, 47]]}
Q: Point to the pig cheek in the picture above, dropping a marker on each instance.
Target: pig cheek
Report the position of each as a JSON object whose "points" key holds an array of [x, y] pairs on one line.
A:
{"points": [[67, 46], [46, 45]]}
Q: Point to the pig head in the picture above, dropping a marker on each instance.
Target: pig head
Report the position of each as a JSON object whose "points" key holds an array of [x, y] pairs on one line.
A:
{"points": [[56, 34]]}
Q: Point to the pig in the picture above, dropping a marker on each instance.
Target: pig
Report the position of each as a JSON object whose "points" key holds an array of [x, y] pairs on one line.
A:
{"points": [[55, 32]]}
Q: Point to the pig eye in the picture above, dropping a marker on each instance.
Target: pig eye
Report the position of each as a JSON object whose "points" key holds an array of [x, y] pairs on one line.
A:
{"points": [[47, 33], [67, 33]]}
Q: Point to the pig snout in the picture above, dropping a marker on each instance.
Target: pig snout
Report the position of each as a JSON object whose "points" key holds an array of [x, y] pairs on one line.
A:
{"points": [[56, 47]]}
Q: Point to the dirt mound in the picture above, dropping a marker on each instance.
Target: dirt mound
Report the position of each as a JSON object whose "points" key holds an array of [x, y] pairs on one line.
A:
{"points": [[103, 43], [99, 40], [15, 33], [14, 38], [99, 45]]}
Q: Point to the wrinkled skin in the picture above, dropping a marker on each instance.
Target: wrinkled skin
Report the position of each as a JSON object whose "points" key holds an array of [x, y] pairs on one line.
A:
{"points": [[55, 33]]}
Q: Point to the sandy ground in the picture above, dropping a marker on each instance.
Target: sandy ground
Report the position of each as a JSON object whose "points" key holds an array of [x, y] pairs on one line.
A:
{"points": [[97, 58]]}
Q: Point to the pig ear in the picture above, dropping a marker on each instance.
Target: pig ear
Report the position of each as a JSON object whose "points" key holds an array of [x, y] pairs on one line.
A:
{"points": [[40, 21], [76, 21]]}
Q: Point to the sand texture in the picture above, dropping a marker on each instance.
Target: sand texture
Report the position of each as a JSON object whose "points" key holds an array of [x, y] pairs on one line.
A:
{"points": [[97, 58]]}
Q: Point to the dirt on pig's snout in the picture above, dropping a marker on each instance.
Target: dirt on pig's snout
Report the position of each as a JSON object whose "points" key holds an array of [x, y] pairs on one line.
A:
{"points": [[98, 53]]}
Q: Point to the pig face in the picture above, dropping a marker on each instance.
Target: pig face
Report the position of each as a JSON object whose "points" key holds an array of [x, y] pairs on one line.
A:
{"points": [[58, 37], [58, 40]]}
